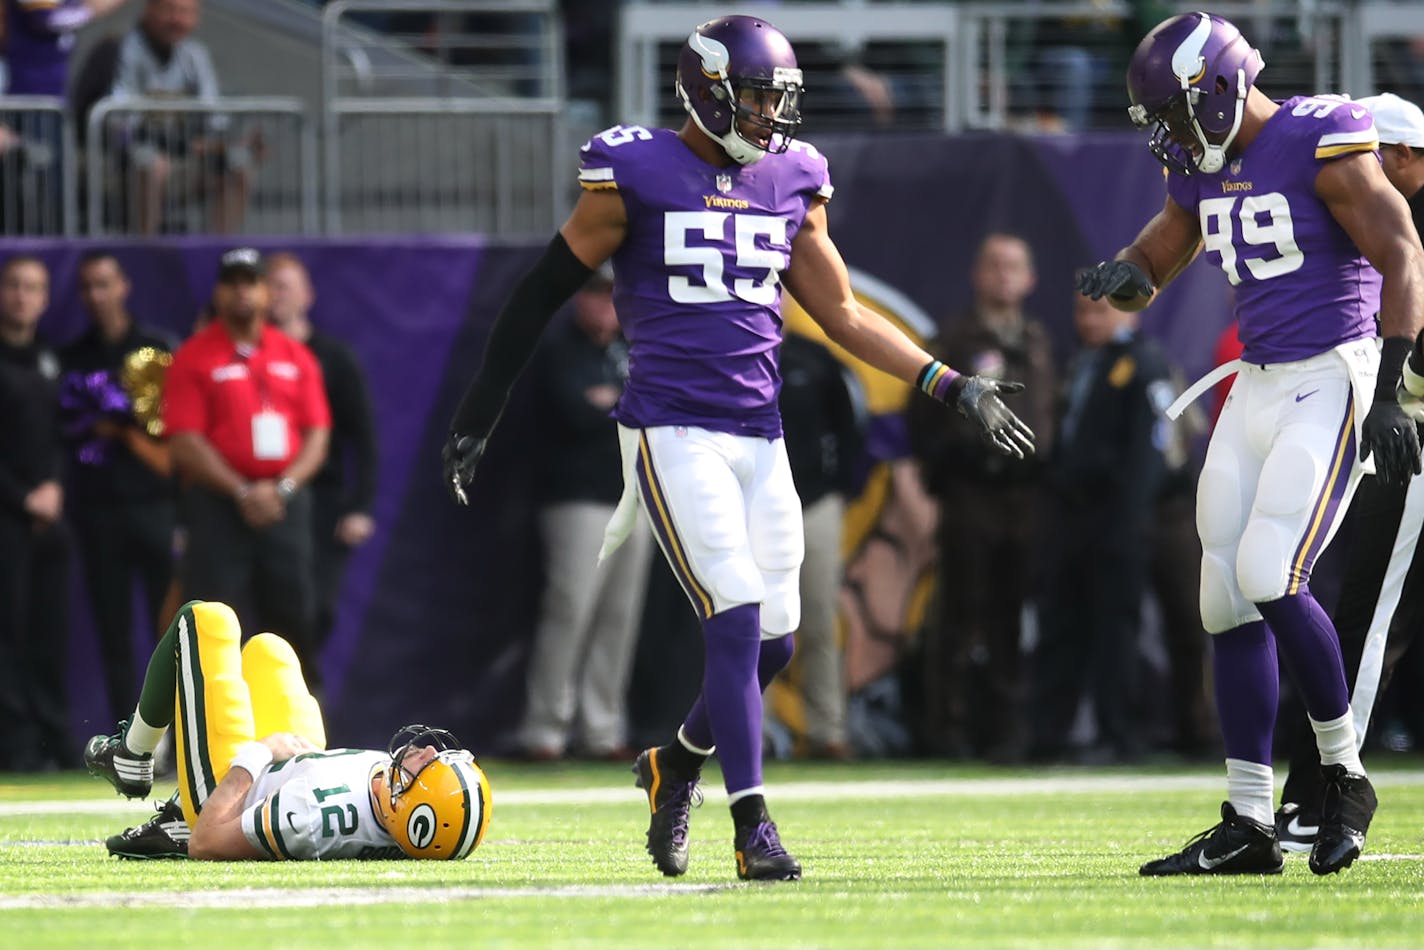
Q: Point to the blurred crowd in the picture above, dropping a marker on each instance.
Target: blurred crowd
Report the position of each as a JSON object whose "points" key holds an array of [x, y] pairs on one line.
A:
{"points": [[163, 164], [194, 170]]}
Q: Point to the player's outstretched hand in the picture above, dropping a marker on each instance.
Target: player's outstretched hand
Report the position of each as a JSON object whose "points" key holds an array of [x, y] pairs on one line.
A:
{"points": [[979, 402], [460, 457], [1390, 435], [1120, 279]]}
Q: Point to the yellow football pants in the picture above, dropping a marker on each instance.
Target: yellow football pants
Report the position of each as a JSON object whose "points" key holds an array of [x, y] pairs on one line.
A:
{"points": [[228, 696]]}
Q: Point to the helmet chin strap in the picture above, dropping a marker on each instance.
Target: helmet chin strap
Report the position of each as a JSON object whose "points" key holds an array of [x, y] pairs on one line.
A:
{"points": [[1213, 157], [737, 148]]}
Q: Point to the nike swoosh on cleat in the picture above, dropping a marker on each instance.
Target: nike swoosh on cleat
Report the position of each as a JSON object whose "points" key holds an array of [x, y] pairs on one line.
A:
{"points": [[1301, 397], [1357, 113], [1209, 864], [1294, 827]]}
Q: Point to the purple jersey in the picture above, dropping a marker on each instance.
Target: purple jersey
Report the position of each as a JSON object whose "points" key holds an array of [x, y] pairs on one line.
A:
{"points": [[698, 285], [1302, 287], [40, 38]]}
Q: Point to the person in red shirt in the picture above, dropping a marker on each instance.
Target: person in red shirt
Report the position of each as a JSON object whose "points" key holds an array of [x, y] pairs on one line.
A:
{"points": [[248, 423]]}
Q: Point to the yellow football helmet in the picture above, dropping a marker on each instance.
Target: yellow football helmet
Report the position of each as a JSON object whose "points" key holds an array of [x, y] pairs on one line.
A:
{"points": [[442, 810]]}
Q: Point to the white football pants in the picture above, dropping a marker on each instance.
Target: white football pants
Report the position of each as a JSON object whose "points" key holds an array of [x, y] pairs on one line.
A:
{"points": [[1279, 473], [726, 514]]}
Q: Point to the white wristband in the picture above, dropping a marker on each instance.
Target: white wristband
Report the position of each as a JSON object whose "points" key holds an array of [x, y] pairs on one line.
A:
{"points": [[252, 757], [1413, 382]]}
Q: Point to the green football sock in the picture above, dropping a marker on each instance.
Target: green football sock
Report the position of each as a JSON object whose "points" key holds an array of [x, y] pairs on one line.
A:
{"points": [[160, 686]]}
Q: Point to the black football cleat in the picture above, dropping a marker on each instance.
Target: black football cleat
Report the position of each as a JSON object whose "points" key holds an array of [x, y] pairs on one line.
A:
{"points": [[1345, 815], [109, 759], [1296, 828], [670, 801], [164, 836], [1237, 845], [760, 856]]}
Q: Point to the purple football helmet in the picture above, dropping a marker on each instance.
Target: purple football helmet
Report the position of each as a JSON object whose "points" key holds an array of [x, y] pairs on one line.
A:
{"points": [[731, 69], [1189, 78]]}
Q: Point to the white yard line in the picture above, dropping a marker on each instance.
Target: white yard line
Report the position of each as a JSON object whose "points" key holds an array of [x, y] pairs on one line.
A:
{"points": [[267, 897], [870, 790], [270, 897]]}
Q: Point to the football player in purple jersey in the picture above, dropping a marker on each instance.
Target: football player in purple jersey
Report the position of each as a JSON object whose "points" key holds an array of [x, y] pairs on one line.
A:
{"points": [[1288, 198], [704, 225]]}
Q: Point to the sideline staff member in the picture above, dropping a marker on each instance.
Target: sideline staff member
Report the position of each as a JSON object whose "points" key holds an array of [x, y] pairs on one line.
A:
{"points": [[249, 424]]}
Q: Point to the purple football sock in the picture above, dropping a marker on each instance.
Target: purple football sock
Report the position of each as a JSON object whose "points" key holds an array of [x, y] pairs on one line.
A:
{"points": [[772, 657], [731, 694], [1310, 648], [1248, 684]]}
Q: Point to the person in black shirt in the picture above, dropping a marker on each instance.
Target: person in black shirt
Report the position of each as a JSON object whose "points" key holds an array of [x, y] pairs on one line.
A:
{"points": [[34, 542], [345, 485], [823, 415], [589, 614], [973, 678], [122, 502], [1104, 478]]}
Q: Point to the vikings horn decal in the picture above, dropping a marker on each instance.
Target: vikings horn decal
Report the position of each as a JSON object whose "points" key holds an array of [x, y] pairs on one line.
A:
{"points": [[1188, 64], [714, 56]]}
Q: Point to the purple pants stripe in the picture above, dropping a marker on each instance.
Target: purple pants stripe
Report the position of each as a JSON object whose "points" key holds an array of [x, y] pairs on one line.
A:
{"points": [[655, 500], [1326, 506]]}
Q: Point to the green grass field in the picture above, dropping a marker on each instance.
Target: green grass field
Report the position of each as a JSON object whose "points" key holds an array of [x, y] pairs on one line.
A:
{"points": [[895, 856]]}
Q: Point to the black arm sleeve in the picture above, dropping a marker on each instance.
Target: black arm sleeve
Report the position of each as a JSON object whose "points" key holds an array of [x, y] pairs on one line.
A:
{"points": [[1393, 352], [516, 331]]}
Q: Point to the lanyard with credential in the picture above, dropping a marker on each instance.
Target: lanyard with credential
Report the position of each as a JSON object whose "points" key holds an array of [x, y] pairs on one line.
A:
{"points": [[269, 427], [255, 372]]}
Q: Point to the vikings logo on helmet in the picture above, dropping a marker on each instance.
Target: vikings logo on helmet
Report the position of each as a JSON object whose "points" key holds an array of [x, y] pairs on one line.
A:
{"points": [[1188, 80], [725, 63], [442, 810]]}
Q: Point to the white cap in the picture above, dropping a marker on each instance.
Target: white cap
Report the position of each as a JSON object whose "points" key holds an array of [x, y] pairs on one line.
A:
{"points": [[1398, 121]]}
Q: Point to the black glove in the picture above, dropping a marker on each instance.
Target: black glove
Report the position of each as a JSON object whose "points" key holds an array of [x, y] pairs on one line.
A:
{"points": [[459, 457], [978, 401], [1121, 280], [1390, 434]]}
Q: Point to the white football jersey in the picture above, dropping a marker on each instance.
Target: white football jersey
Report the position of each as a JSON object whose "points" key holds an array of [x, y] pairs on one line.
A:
{"points": [[317, 807]]}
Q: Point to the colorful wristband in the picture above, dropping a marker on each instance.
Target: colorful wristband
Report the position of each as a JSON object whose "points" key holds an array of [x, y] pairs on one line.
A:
{"points": [[935, 380]]}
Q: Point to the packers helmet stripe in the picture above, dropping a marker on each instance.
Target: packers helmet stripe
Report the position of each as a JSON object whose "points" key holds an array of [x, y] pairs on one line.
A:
{"points": [[274, 822], [464, 844], [486, 807]]}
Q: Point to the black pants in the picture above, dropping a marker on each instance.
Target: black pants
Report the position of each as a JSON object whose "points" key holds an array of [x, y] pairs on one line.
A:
{"points": [[1383, 588], [118, 541], [265, 576], [1089, 622], [330, 557], [34, 643], [986, 545], [1176, 583]]}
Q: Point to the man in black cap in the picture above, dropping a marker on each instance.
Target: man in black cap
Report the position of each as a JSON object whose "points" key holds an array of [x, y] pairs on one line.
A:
{"points": [[249, 424]]}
